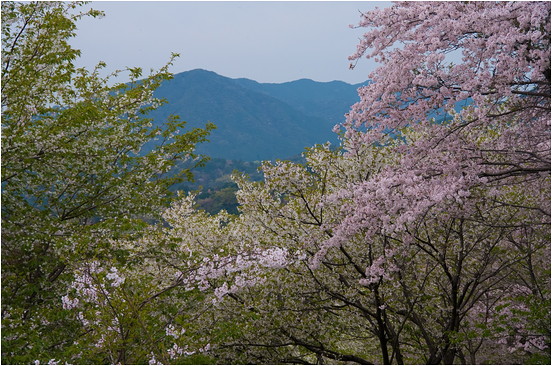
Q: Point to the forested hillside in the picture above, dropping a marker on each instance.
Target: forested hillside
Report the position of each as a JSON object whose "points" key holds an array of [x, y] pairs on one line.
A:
{"points": [[328, 101], [256, 121], [213, 181]]}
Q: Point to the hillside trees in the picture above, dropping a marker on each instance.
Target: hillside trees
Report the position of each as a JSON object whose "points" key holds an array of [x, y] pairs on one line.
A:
{"points": [[446, 287], [73, 176], [419, 242]]}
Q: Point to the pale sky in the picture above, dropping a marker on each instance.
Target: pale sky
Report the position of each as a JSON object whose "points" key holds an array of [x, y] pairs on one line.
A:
{"points": [[264, 41]]}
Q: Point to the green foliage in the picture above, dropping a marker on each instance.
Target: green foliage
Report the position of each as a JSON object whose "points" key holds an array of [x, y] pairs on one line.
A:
{"points": [[213, 180], [224, 199], [72, 178]]}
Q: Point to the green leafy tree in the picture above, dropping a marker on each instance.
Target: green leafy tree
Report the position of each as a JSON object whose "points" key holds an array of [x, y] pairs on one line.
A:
{"points": [[73, 173]]}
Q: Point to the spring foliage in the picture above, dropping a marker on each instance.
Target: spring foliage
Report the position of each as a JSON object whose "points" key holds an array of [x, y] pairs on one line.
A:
{"points": [[417, 241], [73, 176]]}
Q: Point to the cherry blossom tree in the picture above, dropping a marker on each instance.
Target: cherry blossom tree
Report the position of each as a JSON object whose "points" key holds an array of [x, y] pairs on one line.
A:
{"points": [[432, 235], [428, 293], [499, 142], [503, 76], [139, 311]]}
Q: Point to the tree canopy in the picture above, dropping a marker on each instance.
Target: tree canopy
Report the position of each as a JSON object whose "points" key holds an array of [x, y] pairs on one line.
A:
{"points": [[73, 175]]}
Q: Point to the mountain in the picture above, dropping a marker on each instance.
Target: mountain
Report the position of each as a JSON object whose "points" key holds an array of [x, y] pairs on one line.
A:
{"points": [[256, 121], [328, 101]]}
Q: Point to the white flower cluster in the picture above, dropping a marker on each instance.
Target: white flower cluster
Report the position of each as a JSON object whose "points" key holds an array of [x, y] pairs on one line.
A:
{"points": [[172, 332], [245, 268], [176, 351], [115, 277], [87, 284]]}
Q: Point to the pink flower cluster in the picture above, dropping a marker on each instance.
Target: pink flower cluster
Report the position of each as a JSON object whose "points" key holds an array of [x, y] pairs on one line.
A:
{"points": [[245, 269], [503, 54], [381, 268]]}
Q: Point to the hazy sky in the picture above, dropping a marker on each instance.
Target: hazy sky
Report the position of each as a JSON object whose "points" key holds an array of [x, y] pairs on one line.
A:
{"points": [[263, 41]]}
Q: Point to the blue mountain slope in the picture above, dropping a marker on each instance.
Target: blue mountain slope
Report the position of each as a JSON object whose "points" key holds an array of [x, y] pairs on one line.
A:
{"points": [[256, 121], [327, 100]]}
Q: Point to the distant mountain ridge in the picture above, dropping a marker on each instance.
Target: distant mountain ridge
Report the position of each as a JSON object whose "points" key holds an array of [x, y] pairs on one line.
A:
{"points": [[320, 99], [256, 121]]}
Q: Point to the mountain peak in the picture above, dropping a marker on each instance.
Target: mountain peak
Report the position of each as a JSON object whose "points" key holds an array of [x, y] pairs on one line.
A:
{"points": [[200, 72]]}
